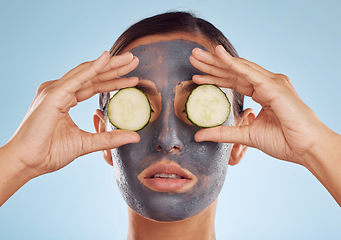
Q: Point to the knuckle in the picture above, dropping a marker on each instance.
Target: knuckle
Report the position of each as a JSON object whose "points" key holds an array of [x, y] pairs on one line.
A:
{"points": [[45, 87], [283, 80], [282, 77], [95, 89]]}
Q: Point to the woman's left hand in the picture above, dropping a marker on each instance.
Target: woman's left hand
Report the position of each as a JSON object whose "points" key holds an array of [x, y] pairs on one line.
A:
{"points": [[286, 128]]}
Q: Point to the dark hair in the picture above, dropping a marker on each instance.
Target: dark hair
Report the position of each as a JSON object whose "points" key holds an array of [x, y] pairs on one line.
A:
{"points": [[171, 22]]}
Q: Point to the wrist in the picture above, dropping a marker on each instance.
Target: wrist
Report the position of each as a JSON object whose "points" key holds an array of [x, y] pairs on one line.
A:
{"points": [[13, 174], [324, 162], [12, 167], [325, 150]]}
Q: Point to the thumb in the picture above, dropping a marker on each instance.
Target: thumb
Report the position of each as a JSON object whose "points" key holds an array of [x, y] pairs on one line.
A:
{"points": [[225, 134], [93, 142]]}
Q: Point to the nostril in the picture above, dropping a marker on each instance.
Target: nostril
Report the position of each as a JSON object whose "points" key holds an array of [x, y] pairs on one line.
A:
{"points": [[158, 148], [175, 149]]}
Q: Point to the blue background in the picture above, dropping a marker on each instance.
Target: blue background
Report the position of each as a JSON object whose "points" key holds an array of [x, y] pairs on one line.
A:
{"points": [[263, 198]]}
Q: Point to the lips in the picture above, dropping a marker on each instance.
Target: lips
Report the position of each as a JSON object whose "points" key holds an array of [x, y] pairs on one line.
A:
{"points": [[167, 176]]}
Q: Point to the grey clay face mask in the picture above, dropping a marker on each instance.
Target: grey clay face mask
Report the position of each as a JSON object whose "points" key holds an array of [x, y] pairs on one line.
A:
{"points": [[170, 139]]}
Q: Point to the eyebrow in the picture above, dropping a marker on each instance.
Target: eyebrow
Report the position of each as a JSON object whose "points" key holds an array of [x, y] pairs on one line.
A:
{"points": [[147, 87]]}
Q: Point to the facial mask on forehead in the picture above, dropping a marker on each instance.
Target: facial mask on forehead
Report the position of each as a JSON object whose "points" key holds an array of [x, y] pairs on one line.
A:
{"points": [[148, 172]]}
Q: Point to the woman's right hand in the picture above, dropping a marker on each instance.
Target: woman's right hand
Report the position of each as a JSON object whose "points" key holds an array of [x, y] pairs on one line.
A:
{"points": [[48, 139]]}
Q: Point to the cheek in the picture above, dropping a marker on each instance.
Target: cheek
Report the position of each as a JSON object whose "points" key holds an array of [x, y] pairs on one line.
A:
{"points": [[210, 158]]}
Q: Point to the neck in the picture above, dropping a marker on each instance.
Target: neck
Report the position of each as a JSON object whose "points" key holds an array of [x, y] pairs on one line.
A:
{"points": [[200, 226]]}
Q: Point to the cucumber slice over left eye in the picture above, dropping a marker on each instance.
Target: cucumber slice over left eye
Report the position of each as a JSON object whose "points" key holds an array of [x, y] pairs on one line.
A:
{"points": [[129, 109], [207, 106]]}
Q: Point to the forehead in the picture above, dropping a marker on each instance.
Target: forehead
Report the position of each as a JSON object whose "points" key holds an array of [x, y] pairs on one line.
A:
{"points": [[166, 63], [164, 60], [201, 40]]}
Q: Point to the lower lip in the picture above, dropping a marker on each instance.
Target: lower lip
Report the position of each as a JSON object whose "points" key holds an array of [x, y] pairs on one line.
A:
{"points": [[167, 185]]}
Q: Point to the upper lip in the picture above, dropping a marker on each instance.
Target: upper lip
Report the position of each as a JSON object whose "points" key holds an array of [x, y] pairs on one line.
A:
{"points": [[166, 167]]}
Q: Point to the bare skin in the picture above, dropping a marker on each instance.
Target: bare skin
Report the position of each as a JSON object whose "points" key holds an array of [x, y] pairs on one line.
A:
{"points": [[286, 129], [277, 120], [200, 226], [48, 139]]}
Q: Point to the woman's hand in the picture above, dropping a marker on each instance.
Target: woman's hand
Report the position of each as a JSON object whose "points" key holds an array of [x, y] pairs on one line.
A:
{"points": [[48, 139], [286, 128]]}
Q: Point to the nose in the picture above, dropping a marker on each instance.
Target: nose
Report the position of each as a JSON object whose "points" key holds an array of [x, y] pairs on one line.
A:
{"points": [[168, 140]]}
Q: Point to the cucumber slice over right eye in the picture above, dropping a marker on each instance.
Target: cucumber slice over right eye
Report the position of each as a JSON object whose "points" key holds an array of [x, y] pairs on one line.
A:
{"points": [[207, 106], [129, 109]]}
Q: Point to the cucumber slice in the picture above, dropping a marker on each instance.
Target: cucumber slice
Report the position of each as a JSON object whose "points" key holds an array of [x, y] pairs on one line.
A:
{"points": [[207, 106], [129, 109]]}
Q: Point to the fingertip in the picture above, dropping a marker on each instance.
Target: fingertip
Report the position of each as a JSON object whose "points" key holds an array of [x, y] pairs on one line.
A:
{"points": [[220, 48], [105, 54], [127, 54], [136, 137], [198, 136], [221, 51], [197, 50], [135, 59], [103, 59], [192, 60], [134, 80], [198, 79], [130, 136], [135, 62]]}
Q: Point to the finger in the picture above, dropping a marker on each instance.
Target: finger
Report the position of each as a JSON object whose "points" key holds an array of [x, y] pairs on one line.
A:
{"points": [[76, 70], [106, 86], [118, 71], [233, 79], [62, 94], [246, 88], [75, 82], [108, 81], [207, 57], [210, 69], [86, 65], [257, 67], [225, 134], [118, 61], [93, 142], [245, 71], [115, 62]]}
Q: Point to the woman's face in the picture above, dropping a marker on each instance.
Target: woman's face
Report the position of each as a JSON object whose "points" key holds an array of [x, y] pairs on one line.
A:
{"points": [[168, 176]]}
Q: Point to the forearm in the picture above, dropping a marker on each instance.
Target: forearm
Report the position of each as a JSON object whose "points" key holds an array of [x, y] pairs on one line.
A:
{"points": [[12, 175], [324, 162]]}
